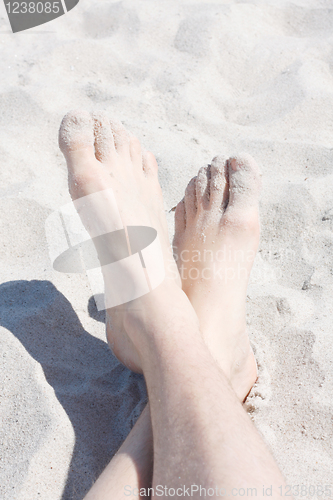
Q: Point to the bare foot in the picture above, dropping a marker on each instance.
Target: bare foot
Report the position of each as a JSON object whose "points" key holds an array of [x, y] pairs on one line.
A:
{"points": [[100, 155], [216, 239]]}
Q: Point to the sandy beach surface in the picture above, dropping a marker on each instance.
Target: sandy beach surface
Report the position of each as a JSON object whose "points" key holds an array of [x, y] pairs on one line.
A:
{"points": [[191, 79]]}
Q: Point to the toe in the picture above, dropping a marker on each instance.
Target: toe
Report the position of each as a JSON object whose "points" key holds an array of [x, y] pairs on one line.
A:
{"points": [[121, 139], [76, 139], [244, 182], [190, 200], [219, 189], [202, 187], [150, 166], [104, 142]]}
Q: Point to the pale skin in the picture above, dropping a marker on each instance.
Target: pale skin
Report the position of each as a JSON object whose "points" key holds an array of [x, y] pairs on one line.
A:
{"points": [[188, 338]]}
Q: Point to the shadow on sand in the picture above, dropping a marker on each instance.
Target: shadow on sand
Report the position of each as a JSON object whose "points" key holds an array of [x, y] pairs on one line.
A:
{"points": [[100, 396]]}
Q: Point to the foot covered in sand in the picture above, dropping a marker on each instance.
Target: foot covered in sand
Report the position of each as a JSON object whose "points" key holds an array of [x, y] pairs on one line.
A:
{"points": [[101, 155], [215, 243]]}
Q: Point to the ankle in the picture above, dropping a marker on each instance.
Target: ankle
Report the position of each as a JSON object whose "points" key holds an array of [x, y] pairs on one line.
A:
{"points": [[158, 317]]}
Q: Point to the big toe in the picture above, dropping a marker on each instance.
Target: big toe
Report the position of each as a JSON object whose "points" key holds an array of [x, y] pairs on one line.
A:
{"points": [[244, 182], [76, 139]]}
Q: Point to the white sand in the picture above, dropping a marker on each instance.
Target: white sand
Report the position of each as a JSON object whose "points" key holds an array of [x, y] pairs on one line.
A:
{"points": [[191, 79]]}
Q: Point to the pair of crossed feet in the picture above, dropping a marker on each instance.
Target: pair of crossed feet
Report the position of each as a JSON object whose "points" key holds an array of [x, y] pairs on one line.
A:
{"points": [[215, 243]]}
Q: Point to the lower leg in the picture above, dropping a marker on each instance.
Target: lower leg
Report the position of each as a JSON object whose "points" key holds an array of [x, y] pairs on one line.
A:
{"points": [[202, 435]]}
